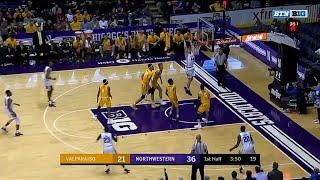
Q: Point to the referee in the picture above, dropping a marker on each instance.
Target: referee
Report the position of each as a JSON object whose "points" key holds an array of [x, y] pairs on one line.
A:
{"points": [[221, 62], [198, 147]]}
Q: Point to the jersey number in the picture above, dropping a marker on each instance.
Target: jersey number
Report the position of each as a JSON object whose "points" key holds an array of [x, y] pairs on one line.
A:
{"points": [[246, 139], [106, 140]]}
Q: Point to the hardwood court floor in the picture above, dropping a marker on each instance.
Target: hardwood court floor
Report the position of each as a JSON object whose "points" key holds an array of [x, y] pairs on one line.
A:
{"points": [[36, 154]]}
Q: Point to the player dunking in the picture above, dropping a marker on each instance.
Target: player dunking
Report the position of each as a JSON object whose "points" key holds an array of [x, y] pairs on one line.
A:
{"points": [[155, 85], [104, 97], [204, 108], [172, 95], [247, 143], [108, 147], [145, 86], [48, 84], [8, 103], [190, 71]]}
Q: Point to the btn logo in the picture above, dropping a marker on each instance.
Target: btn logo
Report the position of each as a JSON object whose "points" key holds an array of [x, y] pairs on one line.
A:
{"points": [[120, 121], [123, 61]]}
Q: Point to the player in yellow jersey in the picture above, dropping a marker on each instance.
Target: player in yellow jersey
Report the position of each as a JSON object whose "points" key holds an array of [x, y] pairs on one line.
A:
{"points": [[204, 108], [172, 95], [104, 97], [132, 44], [145, 84], [121, 45], [155, 85], [142, 43]]}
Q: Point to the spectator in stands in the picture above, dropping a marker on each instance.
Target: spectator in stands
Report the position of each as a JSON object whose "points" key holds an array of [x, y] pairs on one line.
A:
{"points": [[78, 47], [249, 175], [86, 25], [153, 44], [260, 175], [120, 47], [275, 174], [317, 103], [178, 45], [315, 175], [145, 21], [94, 23], [215, 6], [75, 25], [30, 27], [69, 16], [142, 43], [198, 147], [1, 40], [195, 8], [158, 26], [234, 175], [165, 40], [114, 23], [220, 178], [11, 42], [103, 23], [79, 16], [86, 16]]}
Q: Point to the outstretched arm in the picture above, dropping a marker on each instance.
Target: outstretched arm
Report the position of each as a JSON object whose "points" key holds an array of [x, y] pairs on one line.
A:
{"points": [[238, 143]]}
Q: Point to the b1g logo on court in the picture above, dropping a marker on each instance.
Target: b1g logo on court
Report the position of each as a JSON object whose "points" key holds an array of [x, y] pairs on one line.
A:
{"points": [[120, 121]]}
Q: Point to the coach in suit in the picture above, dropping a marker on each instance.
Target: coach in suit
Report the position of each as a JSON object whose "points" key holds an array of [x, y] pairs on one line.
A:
{"points": [[39, 41]]}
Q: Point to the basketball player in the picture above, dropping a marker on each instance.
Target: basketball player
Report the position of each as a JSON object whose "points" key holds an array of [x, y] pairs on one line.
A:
{"points": [[204, 108], [104, 97], [108, 147], [48, 84], [172, 95], [155, 85], [8, 102], [121, 45], [247, 143], [190, 71], [132, 44], [142, 43], [145, 84], [106, 46]]}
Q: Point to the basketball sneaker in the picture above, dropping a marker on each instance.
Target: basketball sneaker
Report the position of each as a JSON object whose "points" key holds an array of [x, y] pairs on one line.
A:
{"points": [[198, 126], [162, 102], [18, 134], [126, 170], [133, 106], [107, 171], [4, 129]]}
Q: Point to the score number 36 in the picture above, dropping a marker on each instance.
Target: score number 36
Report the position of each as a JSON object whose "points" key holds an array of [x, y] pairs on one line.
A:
{"points": [[191, 159]]}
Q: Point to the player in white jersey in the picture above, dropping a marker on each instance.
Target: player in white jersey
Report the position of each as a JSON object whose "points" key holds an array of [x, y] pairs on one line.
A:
{"points": [[48, 84], [246, 142], [190, 71], [8, 103], [108, 147]]}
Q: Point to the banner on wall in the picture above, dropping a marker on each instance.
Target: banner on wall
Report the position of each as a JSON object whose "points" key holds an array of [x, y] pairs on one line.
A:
{"points": [[98, 34], [248, 17]]}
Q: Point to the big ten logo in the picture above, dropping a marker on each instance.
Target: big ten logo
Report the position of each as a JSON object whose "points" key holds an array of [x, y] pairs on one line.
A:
{"points": [[120, 121], [298, 13]]}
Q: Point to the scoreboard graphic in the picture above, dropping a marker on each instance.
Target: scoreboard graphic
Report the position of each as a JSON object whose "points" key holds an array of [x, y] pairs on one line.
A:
{"points": [[159, 159]]}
